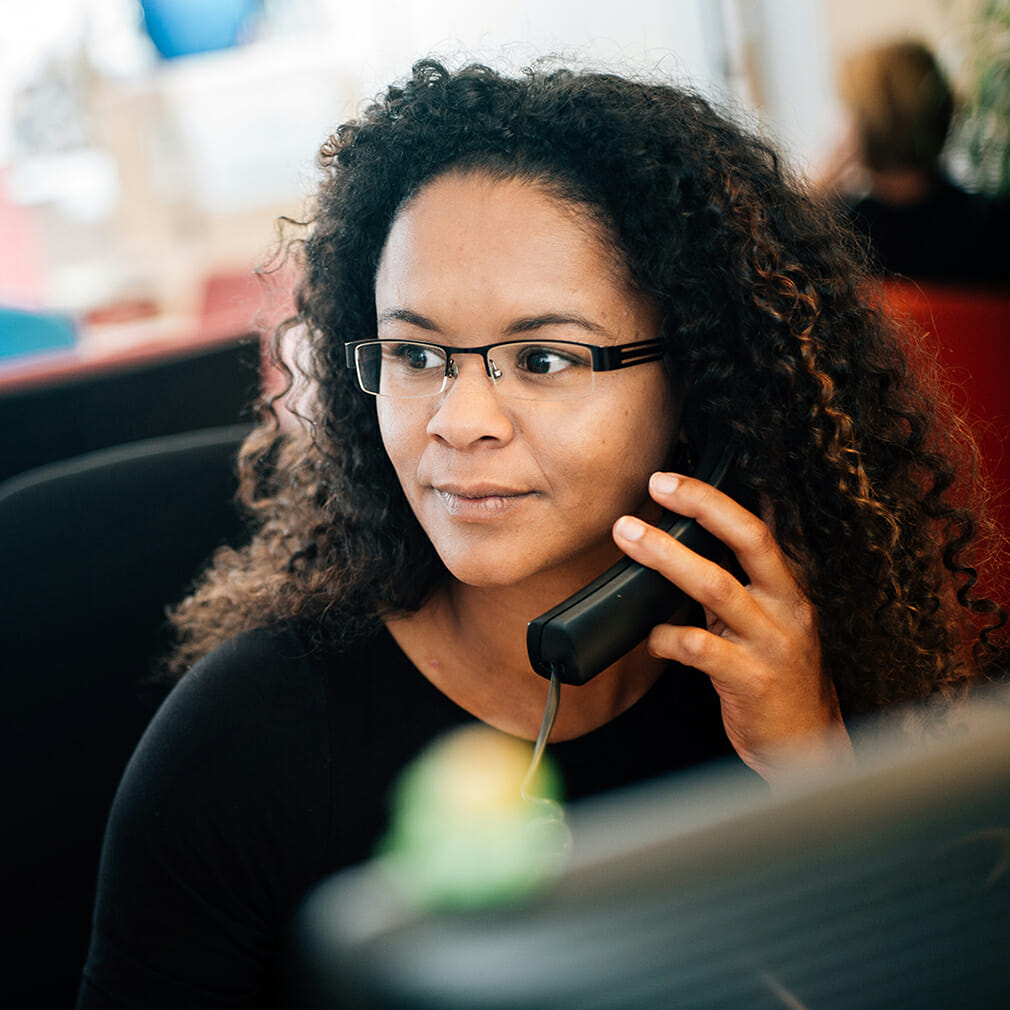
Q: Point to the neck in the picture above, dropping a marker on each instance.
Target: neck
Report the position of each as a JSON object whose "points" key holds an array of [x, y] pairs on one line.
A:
{"points": [[470, 642]]}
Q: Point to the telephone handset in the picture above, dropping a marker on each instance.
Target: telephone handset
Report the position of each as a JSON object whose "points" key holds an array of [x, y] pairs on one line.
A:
{"points": [[593, 628]]}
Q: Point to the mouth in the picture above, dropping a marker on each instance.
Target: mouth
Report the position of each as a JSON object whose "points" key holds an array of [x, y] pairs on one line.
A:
{"points": [[480, 501]]}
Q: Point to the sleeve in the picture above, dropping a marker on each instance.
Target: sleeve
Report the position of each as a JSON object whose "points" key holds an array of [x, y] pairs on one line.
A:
{"points": [[219, 826]]}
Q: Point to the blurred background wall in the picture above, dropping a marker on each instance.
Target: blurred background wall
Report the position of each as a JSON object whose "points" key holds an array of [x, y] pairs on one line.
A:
{"points": [[130, 176]]}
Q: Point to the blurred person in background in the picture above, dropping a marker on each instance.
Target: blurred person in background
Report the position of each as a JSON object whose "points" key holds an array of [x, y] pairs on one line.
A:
{"points": [[525, 304], [887, 170]]}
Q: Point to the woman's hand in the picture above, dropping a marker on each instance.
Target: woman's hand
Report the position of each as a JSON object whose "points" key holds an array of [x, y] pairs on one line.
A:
{"points": [[761, 646]]}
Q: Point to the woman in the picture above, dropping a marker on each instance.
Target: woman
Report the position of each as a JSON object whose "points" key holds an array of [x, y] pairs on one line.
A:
{"points": [[888, 168], [449, 493]]}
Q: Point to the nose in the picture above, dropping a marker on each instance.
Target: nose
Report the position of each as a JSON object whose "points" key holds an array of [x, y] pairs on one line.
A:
{"points": [[470, 410]]}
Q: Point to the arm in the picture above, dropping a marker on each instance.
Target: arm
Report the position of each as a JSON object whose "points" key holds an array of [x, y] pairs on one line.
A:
{"points": [[760, 648]]}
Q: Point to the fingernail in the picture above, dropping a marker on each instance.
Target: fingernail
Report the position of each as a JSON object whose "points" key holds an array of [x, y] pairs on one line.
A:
{"points": [[629, 528], [664, 483]]}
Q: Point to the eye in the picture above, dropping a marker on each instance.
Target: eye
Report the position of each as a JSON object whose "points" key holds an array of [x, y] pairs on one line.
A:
{"points": [[417, 357], [540, 359]]}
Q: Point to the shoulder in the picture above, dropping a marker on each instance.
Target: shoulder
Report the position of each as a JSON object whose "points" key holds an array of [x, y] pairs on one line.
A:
{"points": [[243, 753], [224, 817], [267, 675], [213, 753], [254, 659], [260, 706], [254, 740], [266, 768], [254, 685]]}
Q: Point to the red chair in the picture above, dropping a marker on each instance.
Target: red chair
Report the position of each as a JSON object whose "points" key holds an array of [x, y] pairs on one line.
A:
{"points": [[968, 330]]}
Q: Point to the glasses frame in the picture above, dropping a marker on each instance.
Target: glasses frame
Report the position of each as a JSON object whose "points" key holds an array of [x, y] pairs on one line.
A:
{"points": [[604, 359]]}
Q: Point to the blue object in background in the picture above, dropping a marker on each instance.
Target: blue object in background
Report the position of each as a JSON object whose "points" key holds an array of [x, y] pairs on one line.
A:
{"points": [[29, 332], [185, 27]]}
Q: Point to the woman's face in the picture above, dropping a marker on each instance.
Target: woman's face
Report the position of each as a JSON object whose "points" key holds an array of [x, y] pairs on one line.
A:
{"points": [[508, 489]]}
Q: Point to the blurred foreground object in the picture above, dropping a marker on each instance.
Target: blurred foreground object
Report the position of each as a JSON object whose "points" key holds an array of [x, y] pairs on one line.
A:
{"points": [[462, 835], [884, 886]]}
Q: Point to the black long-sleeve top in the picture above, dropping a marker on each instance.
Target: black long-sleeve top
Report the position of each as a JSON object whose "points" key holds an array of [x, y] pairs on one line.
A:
{"points": [[267, 769]]}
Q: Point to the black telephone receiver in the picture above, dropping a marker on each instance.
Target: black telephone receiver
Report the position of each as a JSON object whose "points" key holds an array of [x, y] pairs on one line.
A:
{"points": [[593, 628]]}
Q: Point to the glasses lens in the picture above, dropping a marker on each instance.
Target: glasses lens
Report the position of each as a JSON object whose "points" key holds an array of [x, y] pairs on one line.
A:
{"points": [[401, 369], [543, 370]]}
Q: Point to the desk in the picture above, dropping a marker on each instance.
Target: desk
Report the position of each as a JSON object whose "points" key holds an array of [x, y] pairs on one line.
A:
{"points": [[126, 381], [234, 306]]}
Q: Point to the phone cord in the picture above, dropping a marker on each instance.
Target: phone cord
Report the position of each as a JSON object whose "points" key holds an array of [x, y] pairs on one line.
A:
{"points": [[546, 725]]}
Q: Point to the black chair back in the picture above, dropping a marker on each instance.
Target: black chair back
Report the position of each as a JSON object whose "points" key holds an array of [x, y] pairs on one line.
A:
{"points": [[205, 388], [92, 550]]}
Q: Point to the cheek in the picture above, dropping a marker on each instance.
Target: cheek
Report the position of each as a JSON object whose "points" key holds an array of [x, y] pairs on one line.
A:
{"points": [[400, 441], [387, 427], [607, 461], [637, 434], [657, 431], [399, 431]]}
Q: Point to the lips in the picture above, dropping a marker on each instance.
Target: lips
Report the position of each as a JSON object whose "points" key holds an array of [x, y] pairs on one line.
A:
{"points": [[479, 491], [479, 501]]}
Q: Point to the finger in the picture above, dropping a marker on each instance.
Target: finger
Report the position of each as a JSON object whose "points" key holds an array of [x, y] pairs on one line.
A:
{"points": [[719, 658], [704, 581], [747, 536]]}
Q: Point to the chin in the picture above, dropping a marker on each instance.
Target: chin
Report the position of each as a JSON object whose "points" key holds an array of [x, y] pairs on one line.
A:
{"points": [[558, 576], [489, 576]]}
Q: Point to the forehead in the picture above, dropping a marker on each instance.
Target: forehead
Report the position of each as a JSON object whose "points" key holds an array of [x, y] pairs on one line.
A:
{"points": [[467, 237]]}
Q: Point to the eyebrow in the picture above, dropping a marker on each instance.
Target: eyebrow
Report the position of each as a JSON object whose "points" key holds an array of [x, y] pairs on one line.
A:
{"points": [[528, 324]]}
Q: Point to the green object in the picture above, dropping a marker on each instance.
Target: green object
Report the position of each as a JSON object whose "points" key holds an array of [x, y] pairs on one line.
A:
{"points": [[462, 836], [981, 132]]}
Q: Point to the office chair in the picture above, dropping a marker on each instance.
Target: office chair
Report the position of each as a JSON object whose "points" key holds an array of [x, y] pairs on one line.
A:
{"points": [[968, 331], [92, 550]]}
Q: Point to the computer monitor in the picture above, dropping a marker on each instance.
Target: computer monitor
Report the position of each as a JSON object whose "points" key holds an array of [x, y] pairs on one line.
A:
{"points": [[886, 885]]}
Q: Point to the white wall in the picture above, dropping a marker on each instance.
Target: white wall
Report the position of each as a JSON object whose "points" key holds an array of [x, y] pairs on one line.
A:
{"points": [[800, 108], [379, 40], [207, 151]]}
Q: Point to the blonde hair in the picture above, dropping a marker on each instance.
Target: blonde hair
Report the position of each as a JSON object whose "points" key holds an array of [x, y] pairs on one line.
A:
{"points": [[901, 105]]}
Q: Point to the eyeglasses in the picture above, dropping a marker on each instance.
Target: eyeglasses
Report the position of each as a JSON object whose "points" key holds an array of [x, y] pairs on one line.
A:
{"points": [[519, 369]]}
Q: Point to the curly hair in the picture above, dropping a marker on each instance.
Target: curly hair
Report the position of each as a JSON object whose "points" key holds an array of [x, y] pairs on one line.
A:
{"points": [[765, 302]]}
